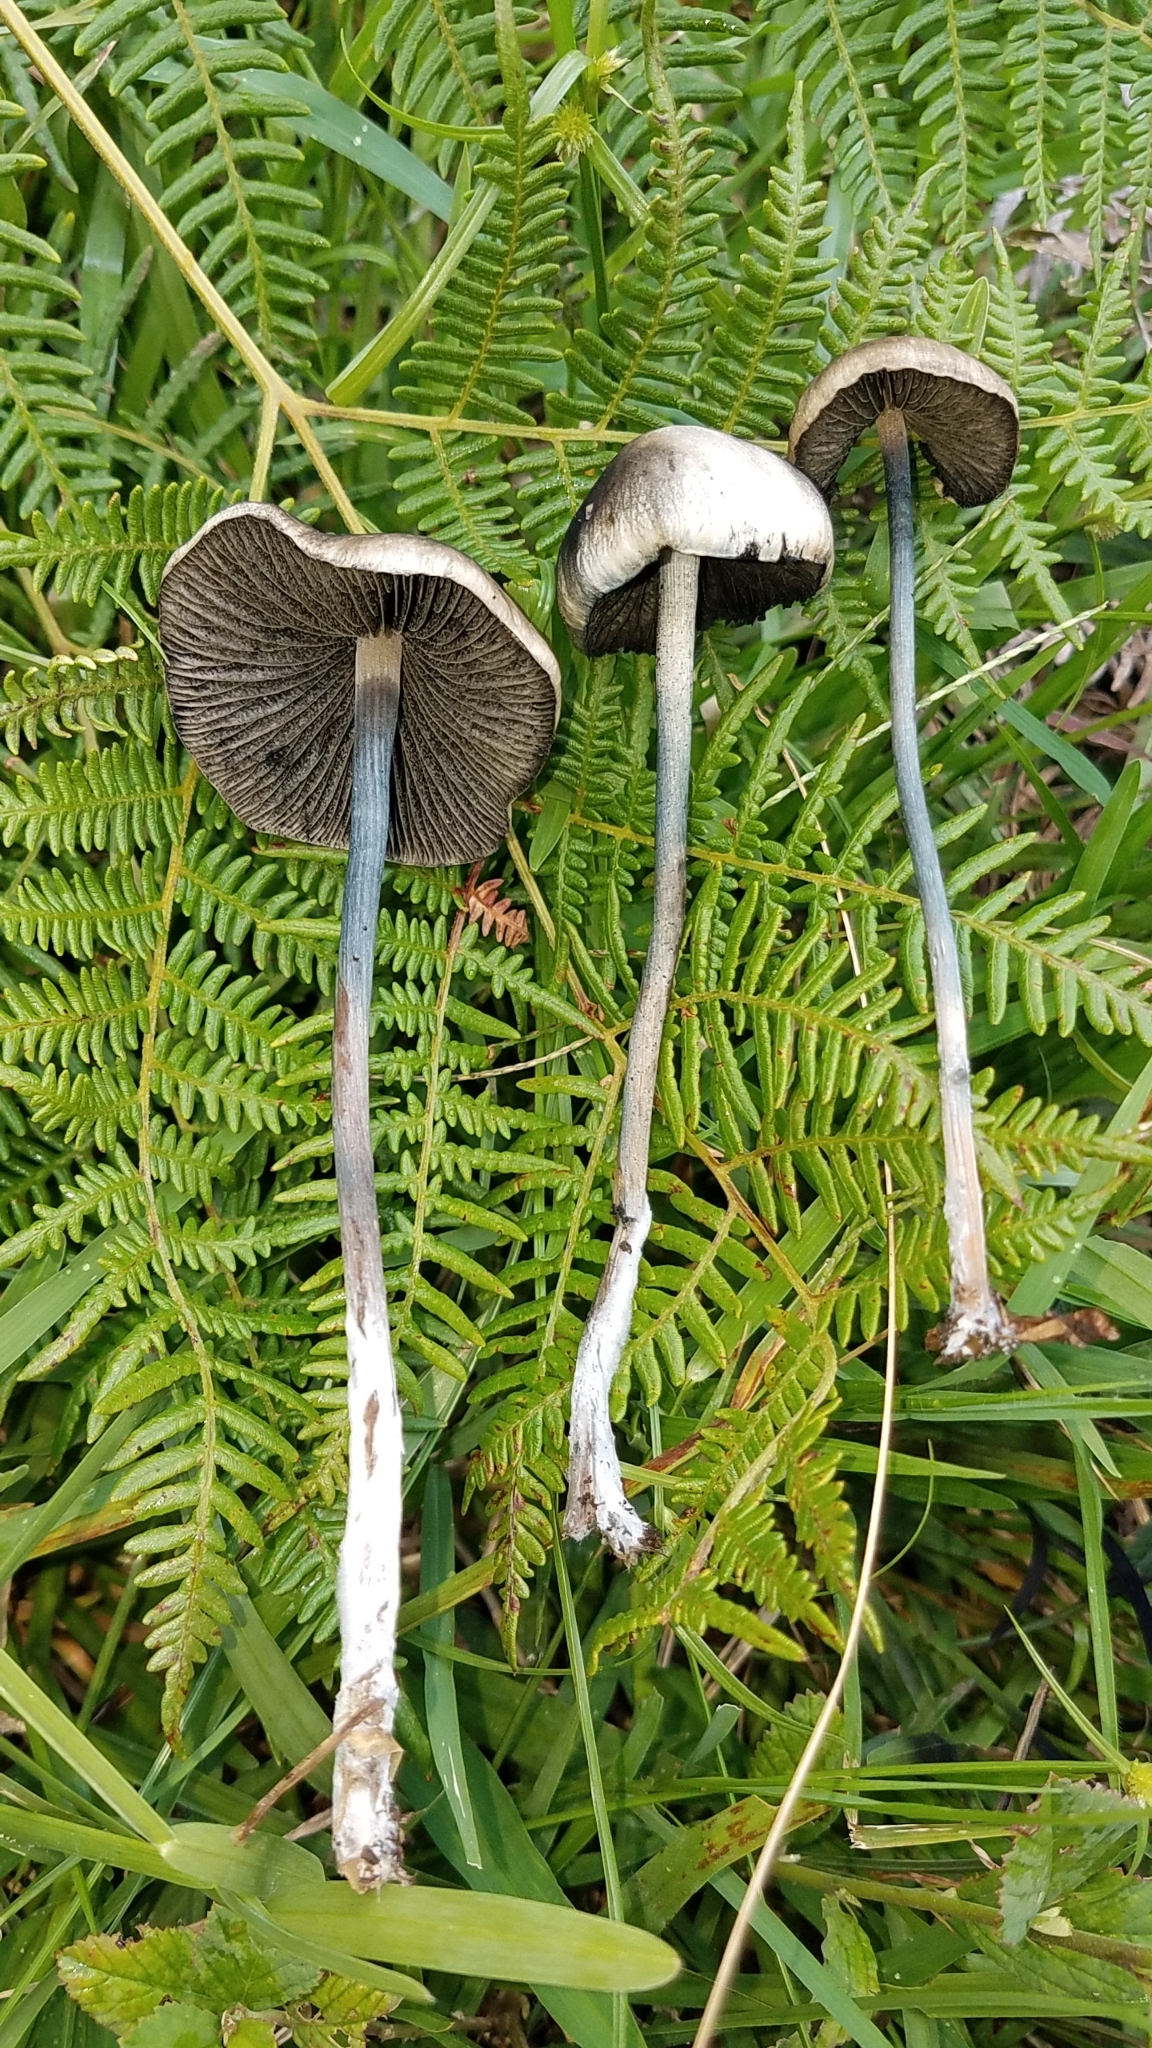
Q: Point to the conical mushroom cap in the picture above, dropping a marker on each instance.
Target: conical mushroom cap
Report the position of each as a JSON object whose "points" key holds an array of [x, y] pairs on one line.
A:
{"points": [[259, 619], [965, 415], [762, 534]]}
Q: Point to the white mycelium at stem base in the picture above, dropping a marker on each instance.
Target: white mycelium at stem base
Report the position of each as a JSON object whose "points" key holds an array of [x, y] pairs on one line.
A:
{"points": [[596, 1495], [366, 1835], [976, 1322]]}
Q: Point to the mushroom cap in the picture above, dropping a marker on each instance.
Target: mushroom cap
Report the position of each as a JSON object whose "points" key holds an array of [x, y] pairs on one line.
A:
{"points": [[259, 619], [966, 416], [761, 532]]}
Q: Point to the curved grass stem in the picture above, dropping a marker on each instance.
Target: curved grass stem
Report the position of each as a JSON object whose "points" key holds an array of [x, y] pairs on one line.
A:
{"points": [[596, 1497], [366, 1837], [296, 409], [777, 1834]]}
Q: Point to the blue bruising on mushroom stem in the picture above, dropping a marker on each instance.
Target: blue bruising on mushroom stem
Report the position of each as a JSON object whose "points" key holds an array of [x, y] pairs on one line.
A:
{"points": [[976, 1323], [377, 710]]}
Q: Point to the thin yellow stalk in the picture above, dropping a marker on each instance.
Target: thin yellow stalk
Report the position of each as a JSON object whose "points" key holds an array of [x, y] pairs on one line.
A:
{"points": [[769, 1854], [453, 423], [265, 442], [276, 391]]}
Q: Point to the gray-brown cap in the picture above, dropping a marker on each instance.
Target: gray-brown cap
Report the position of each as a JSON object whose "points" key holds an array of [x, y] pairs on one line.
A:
{"points": [[761, 532], [965, 415], [259, 619]]}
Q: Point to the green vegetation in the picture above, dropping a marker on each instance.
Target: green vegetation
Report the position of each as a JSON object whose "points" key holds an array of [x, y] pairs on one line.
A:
{"points": [[502, 240]]}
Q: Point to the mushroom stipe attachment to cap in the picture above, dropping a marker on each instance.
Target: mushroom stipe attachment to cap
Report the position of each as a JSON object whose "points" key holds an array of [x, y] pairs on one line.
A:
{"points": [[379, 692], [964, 415], [966, 419], [684, 528], [260, 617]]}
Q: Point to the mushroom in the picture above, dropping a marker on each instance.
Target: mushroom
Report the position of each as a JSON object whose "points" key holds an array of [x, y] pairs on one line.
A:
{"points": [[685, 527], [968, 421], [379, 692]]}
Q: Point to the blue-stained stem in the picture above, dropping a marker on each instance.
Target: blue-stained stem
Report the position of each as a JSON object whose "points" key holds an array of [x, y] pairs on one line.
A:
{"points": [[976, 1323], [366, 1828]]}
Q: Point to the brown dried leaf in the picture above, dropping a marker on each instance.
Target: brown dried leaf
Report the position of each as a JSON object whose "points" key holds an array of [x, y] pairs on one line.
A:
{"points": [[493, 912]]}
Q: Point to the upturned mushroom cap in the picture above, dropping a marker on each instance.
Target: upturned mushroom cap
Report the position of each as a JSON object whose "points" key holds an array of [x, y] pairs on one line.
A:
{"points": [[259, 619], [761, 532], [965, 415]]}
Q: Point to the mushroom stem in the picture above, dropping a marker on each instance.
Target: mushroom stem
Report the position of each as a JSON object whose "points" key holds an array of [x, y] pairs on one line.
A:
{"points": [[366, 1827], [976, 1323], [596, 1497]]}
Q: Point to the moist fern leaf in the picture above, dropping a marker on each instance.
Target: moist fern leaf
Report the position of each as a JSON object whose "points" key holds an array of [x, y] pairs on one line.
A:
{"points": [[83, 548], [118, 799], [1078, 451], [113, 908], [497, 316], [110, 690], [639, 368], [444, 63], [762, 350], [952, 74], [1039, 58], [225, 188], [100, 1008], [51, 444], [873, 295], [842, 49]]}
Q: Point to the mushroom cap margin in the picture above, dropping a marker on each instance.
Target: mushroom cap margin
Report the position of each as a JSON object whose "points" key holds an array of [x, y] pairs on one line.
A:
{"points": [[963, 412], [259, 617], [760, 530]]}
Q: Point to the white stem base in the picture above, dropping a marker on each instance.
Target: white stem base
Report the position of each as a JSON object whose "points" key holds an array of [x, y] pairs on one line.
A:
{"points": [[596, 1497], [366, 1836], [975, 1332], [365, 1824]]}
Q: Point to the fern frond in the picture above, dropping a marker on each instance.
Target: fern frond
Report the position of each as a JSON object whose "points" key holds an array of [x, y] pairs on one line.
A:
{"points": [[114, 908], [1039, 57], [111, 690], [51, 445], [638, 369], [497, 316], [228, 200], [842, 50], [873, 295], [761, 354], [119, 799], [952, 73], [83, 548]]}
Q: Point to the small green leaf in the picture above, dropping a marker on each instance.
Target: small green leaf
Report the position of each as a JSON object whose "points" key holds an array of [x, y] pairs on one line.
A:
{"points": [[335, 126], [253, 2034], [233, 1969], [200, 1854], [555, 811], [847, 1951], [120, 1983], [658, 1890], [313, 1949], [481, 1934], [176, 2026]]}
